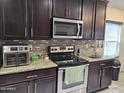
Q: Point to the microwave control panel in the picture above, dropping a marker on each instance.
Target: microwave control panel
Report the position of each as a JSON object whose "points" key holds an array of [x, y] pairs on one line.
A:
{"points": [[21, 48]]}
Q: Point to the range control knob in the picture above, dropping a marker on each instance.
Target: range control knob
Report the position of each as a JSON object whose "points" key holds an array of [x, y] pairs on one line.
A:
{"points": [[52, 49]]}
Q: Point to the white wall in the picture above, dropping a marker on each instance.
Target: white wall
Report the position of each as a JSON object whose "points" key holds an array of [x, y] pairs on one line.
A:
{"points": [[118, 15]]}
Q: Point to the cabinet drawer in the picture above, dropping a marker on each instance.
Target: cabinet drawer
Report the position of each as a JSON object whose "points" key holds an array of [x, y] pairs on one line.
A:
{"points": [[26, 76], [94, 65], [106, 63]]}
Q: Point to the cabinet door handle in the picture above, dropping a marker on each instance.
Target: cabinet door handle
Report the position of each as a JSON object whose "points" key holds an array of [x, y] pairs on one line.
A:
{"points": [[103, 72], [102, 64], [31, 32], [33, 76], [35, 88], [25, 32], [69, 12], [28, 88]]}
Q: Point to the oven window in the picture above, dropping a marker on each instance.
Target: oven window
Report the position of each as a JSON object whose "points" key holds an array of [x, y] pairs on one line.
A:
{"points": [[65, 29], [11, 59], [73, 76], [22, 57]]}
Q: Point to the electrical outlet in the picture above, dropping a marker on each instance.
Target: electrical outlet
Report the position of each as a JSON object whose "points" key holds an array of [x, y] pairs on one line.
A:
{"points": [[31, 48]]}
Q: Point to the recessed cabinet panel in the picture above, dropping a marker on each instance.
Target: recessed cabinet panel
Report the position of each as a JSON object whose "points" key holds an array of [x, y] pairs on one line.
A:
{"points": [[106, 77], [74, 9], [40, 19], [93, 80], [14, 19], [100, 20], [47, 85], [59, 8], [88, 18]]}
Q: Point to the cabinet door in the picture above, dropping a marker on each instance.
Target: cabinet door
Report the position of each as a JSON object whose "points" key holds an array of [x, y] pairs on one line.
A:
{"points": [[74, 9], [14, 19], [88, 18], [59, 8], [1, 19], [106, 77], [93, 80], [100, 20], [46, 85], [15, 88], [40, 19]]}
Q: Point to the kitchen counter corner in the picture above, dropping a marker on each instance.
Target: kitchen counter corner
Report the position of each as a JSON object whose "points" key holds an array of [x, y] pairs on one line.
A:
{"points": [[89, 59]]}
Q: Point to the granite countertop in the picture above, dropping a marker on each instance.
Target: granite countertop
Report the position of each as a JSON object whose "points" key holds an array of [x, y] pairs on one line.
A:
{"points": [[89, 59], [44, 64]]}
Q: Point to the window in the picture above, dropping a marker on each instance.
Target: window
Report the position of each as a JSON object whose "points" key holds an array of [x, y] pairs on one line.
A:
{"points": [[112, 38]]}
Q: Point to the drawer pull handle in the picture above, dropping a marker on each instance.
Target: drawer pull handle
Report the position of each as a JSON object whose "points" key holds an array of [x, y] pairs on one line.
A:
{"points": [[33, 76], [102, 64]]}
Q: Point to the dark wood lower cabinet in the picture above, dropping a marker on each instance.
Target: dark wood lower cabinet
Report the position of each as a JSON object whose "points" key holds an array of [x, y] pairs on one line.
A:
{"points": [[15, 88], [46, 85], [100, 75], [41, 81]]}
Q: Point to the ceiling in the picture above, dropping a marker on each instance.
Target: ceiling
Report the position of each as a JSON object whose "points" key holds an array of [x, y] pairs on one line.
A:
{"points": [[117, 3]]}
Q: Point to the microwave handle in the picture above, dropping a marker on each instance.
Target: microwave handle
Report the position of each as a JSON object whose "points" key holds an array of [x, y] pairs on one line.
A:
{"points": [[78, 29]]}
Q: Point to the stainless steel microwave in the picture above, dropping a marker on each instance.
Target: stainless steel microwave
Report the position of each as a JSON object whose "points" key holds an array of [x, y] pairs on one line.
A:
{"points": [[67, 28]]}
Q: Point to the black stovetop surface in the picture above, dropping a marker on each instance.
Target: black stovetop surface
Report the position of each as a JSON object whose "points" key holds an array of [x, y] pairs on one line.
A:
{"points": [[75, 61]]}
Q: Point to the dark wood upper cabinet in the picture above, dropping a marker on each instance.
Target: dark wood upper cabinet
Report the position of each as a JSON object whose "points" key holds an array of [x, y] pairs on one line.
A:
{"points": [[40, 19], [88, 18], [67, 8], [94, 17], [59, 8], [74, 9], [100, 20], [14, 19]]}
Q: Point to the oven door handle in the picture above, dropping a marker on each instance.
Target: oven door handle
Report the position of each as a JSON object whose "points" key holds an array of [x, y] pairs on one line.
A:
{"points": [[63, 73]]}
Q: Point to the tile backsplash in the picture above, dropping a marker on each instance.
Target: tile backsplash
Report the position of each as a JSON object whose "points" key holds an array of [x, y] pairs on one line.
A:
{"points": [[86, 47]]}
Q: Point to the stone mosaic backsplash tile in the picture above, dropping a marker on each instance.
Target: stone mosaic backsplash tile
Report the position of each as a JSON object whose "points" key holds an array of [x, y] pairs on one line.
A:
{"points": [[86, 47]]}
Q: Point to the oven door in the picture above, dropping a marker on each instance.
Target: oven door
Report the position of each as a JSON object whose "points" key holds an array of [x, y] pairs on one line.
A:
{"points": [[72, 79], [15, 59], [66, 28], [10, 59], [23, 58]]}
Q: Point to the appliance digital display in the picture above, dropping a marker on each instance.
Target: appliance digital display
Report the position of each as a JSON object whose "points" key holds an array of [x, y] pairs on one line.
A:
{"points": [[62, 48], [13, 48]]}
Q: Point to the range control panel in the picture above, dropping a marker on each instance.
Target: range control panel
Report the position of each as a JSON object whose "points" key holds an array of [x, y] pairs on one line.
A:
{"points": [[61, 49]]}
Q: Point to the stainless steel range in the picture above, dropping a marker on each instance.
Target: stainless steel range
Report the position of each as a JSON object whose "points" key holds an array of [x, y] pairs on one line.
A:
{"points": [[72, 70]]}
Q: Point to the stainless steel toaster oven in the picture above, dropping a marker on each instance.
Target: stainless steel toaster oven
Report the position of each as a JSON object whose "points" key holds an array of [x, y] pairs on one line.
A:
{"points": [[15, 55]]}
